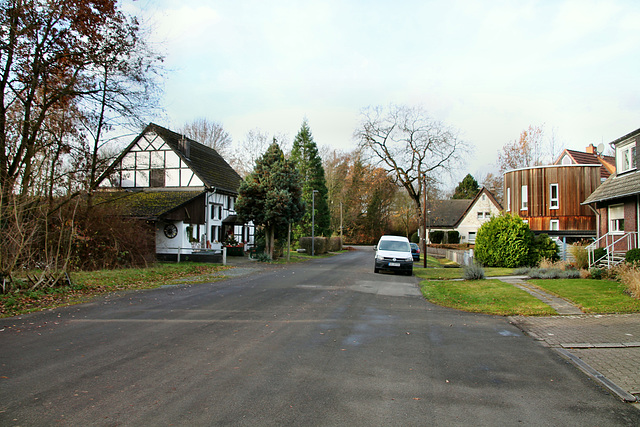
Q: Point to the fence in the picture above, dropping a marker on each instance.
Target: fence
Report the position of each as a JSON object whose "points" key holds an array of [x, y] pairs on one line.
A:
{"points": [[462, 257]]}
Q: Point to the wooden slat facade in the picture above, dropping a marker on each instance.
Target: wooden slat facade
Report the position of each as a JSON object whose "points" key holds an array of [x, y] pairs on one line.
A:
{"points": [[575, 184]]}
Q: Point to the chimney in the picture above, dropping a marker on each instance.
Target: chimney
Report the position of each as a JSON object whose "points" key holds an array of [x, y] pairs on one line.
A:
{"points": [[591, 149]]}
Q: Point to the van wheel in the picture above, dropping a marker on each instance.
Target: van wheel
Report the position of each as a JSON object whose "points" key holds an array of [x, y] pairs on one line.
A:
{"points": [[410, 273], [376, 270]]}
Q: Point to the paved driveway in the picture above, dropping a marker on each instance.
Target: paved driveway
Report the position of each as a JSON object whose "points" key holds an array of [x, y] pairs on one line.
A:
{"points": [[325, 342]]}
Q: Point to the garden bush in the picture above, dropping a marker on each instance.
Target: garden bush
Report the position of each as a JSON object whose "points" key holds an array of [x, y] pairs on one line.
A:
{"points": [[630, 277], [335, 244], [580, 254], [545, 248], [415, 238], [632, 256], [436, 236], [599, 253], [320, 245], [473, 272], [505, 241], [453, 237]]}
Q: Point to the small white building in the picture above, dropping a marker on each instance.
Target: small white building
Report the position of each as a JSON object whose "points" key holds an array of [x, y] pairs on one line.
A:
{"points": [[185, 189], [465, 216]]}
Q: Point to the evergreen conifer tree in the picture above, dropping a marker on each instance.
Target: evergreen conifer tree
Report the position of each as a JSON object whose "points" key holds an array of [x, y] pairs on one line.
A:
{"points": [[309, 164], [271, 195], [467, 188]]}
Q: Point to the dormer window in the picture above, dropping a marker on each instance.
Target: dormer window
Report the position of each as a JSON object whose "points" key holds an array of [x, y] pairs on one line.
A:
{"points": [[626, 156]]}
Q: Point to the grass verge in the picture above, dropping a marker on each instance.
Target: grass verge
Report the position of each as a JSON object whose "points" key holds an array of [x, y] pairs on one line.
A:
{"points": [[489, 296], [592, 296], [455, 273], [88, 284]]}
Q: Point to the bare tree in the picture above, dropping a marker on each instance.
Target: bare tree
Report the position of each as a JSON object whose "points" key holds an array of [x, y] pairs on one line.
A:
{"points": [[209, 133], [253, 146], [411, 146]]}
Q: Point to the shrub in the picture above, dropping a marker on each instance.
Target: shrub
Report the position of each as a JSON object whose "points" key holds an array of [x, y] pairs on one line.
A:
{"points": [[320, 245], [453, 237], [632, 256], [505, 241], [545, 247], [436, 236], [473, 272], [596, 273], [522, 271], [335, 244], [599, 253], [415, 238], [579, 252], [630, 277]]}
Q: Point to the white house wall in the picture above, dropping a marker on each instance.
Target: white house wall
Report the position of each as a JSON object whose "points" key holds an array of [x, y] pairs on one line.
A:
{"points": [[471, 223]]}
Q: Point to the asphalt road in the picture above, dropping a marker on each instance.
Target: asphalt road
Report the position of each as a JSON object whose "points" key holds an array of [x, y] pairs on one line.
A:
{"points": [[326, 342]]}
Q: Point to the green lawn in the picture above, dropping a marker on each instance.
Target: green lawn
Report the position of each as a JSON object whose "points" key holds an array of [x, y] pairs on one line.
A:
{"points": [[440, 273], [484, 296], [592, 296]]}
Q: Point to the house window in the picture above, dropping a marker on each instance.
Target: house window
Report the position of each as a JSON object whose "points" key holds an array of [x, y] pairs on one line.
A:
{"points": [[525, 198], [472, 236], [627, 157], [156, 178], [509, 199], [553, 197], [480, 215], [554, 225], [216, 212], [616, 219], [231, 203]]}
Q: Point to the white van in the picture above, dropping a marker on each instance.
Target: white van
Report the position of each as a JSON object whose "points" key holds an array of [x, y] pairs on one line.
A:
{"points": [[393, 253]]}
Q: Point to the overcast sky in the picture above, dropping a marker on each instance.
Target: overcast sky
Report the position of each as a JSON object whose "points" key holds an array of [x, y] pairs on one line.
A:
{"points": [[487, 68]]}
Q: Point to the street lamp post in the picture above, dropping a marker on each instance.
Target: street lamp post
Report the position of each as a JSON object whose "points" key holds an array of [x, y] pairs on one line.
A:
{"points": [[313, 221]]}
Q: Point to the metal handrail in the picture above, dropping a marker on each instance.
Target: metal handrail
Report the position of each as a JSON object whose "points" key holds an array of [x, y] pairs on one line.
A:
{"points": [[610, 242]]}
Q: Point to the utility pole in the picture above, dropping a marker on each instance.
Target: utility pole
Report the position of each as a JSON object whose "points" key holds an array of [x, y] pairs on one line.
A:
{"points": [[424, 216], [313, 221]]}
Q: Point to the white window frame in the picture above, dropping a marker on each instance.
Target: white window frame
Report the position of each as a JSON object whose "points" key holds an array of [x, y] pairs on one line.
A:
{"points": [[554, 202], [524, 194], [627, 157], [472, 236], [616, 219], [508, 199], [554, 225]]}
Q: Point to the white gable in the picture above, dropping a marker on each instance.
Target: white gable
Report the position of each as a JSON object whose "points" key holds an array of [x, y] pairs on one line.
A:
{"points": [[150, 162]]}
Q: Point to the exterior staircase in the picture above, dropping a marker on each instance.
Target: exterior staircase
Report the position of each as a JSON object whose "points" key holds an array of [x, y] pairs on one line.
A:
{"points": [[616, 246]]}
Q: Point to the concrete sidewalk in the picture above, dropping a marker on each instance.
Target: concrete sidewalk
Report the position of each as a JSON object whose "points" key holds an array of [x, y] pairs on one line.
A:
{"points": [[605, 347]]}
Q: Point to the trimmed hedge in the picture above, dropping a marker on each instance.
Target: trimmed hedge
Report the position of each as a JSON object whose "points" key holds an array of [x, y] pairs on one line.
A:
{"points": [[453, 237], [335, 244], [320, 245], [436, 236]]}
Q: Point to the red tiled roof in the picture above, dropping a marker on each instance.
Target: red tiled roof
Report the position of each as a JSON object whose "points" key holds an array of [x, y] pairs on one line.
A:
{"points": [[607, 163]]}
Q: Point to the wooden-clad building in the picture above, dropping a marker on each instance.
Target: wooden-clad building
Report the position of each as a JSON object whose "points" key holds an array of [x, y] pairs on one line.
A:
{"points": [[549, 198]]}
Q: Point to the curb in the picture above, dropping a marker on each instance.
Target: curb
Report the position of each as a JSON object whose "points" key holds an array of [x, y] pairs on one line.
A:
{"points": [[587, 369]]}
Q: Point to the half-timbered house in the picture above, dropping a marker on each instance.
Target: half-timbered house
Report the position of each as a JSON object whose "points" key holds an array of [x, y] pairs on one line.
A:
{"points": [[184, 189]]}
